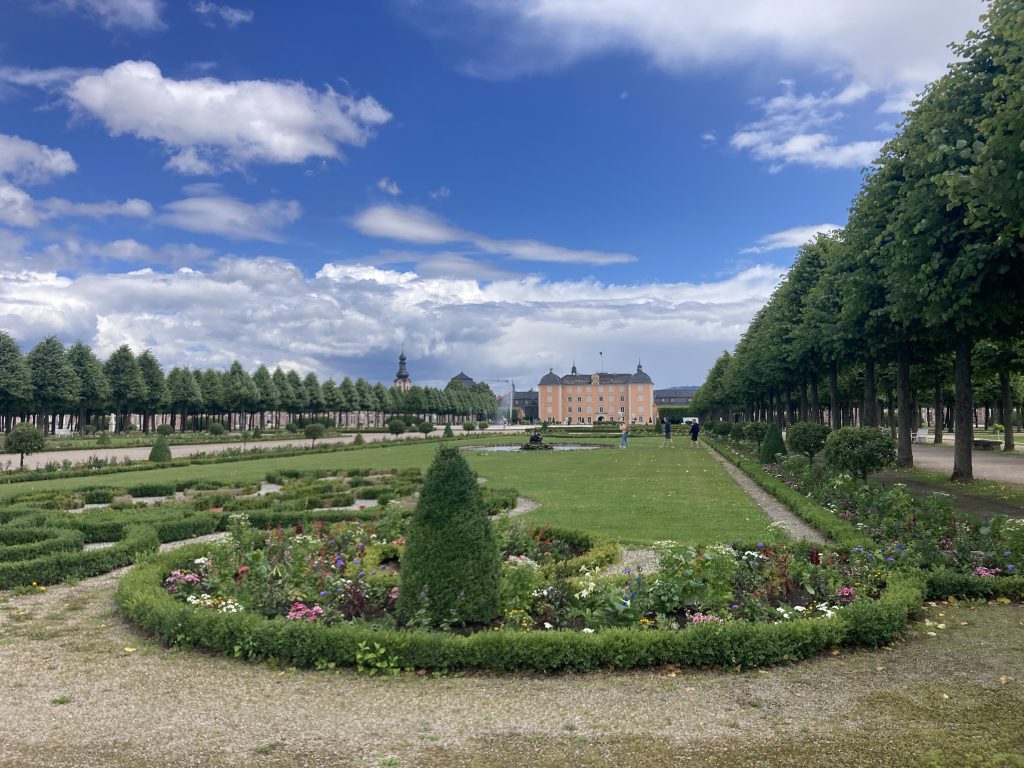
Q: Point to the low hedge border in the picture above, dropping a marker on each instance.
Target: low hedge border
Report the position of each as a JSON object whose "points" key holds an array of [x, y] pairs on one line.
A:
{"points": [[841, 532], [142, 600], [29, 543], [55, 567], [943, 584]]}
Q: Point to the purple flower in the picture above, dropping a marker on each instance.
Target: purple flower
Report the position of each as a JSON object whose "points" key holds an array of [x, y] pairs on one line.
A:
{"points": [[1007, 553], [760, 545], [1011, 568]]}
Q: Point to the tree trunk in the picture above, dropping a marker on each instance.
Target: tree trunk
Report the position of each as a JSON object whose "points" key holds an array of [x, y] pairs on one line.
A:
{"points": [[1008, 420], [815, 405], [869, 411], [904, 448], [963, 470], [833, 392], [82, 419]]}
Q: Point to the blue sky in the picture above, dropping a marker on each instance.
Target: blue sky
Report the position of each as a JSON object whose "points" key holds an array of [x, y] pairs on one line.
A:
{"points": [[501, 186]]}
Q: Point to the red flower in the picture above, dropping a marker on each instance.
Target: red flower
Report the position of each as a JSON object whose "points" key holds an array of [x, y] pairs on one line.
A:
{"points": [[240, 573]]}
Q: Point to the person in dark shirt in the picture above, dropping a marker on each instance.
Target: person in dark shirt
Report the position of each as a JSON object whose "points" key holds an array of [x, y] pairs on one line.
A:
{"points": [[667, 440], [694, 433]]}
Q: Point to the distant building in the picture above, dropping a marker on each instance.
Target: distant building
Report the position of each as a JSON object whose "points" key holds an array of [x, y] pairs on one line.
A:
{"points": [[674, 396], [461, 378], [591, 398], [402, 380], [526, 402]]}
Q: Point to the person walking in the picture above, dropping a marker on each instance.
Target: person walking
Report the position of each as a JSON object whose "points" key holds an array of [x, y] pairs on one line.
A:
{"points": [[624, 442], [667, 440], [694, 433]]}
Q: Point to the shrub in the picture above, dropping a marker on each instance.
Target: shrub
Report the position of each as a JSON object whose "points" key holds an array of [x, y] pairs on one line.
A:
{"points": [[425, 427], [807, 438], [103, 441], [469, 426], [448, 431], [257, 433], [291, 427], [314, 432], [396, 426], [755, 431], [24, 439], [451, 566], [772, 445], [216, 428], [161, 452], [860, 450], [482, 425], [164, 430], [359, 440]]}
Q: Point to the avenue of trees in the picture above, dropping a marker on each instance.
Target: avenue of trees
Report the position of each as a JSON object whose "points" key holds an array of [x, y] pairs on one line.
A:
{"points": [[919, 300], [70, 388]]}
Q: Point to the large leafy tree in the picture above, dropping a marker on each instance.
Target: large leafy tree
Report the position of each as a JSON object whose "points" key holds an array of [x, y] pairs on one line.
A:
{"points": [[55, 385], [267, 396], [15, 380], [94, 389], [156, 387], [184, 394], [240, 394], [283, 388], [127, 387]]}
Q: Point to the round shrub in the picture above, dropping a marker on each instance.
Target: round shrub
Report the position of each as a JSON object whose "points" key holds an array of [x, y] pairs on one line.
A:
{"points": [[755, 431], [24, 439], [860, 450], [425, 427], [451, 566], [165, 430], [482, 425], [291, 427], [469, 426], [772, 445], [161, 452], [314, 432], [216, 428], [807, 438], [396, 426]]}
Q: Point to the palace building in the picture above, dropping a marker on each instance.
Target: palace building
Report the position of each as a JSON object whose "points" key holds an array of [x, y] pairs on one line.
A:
{"points": [[591, 398]]}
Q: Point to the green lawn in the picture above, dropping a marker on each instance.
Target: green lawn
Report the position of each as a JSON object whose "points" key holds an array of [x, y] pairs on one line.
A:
{"points": [[637, 496]]}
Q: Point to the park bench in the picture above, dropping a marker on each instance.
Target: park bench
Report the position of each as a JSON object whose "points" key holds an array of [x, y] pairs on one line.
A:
{"points": [[920, 436], [62, 432], [987, 445]]}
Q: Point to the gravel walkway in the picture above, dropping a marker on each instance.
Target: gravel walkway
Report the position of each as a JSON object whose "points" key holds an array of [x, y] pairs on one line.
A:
{"points": [[777, 512]]}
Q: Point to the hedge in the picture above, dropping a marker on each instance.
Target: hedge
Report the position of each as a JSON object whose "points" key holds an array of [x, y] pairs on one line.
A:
{"points": [[842, 532], [29, 543], [943, 584], [735, 644]]}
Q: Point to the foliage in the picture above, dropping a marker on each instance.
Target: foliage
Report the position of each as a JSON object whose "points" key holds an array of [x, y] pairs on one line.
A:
{"points": [[772, 446], [807, 438], [24, 439], [165, 430], [396, 426], [216, 428], [451, 566], [359, 439], [161, 451], [314, 432], [425, 427], [860, 451], [448, 431]]}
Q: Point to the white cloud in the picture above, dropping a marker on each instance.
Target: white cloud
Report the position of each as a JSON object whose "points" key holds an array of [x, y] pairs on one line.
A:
{"points": [[352, 318], [17, 207], [30, 163], [889, 46], [440, 193], [790, 131], [210, 125], [42, 78], [789, 238], [709, 138], [230, 217], [229, 15], [136, 14], [390, 186], [416, 225]]}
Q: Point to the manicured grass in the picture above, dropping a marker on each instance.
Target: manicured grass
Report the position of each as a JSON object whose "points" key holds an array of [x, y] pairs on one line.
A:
{"points": [[637, 496]]}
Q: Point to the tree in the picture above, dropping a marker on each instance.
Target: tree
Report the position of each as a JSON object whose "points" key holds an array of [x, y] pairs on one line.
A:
{"points": [[314, 432], [55, 385], [15, 380], [156, 387], [296, 402], [807, 438], [284, 393], [240, 394], [24, 439], [314, 394], [396, 426], [860, 450], [772, 446], [184, 394], [451, 566], [127, 388], [94, 389], [350, 396], [267, 396]]}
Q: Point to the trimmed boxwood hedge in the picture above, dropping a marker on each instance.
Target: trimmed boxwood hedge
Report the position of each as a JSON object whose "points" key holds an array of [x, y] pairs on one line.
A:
{"points": [[944, 583], [28, 543], [143, 600], [842, 532]]}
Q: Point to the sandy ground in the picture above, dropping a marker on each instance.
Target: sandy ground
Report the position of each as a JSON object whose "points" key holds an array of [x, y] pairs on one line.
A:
{"points": [[988, 465]]}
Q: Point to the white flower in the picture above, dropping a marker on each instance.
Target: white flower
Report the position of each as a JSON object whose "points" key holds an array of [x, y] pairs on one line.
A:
{"points": [[799, 608], [201, 560], [587, 631], [548, 625]]}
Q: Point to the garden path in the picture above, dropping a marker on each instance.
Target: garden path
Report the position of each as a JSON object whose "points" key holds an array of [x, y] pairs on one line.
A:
{"points": [[987, 465], [777, 512]]}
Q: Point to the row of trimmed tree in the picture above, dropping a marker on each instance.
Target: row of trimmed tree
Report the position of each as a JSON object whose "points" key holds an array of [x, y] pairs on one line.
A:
{"points": [[71, 388], [926, 280]]}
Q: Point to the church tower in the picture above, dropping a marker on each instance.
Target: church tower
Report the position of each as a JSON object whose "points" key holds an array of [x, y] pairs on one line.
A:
{"points": [[402, 380]]}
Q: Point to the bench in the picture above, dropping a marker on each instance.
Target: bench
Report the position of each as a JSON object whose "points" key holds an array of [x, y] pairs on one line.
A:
{"points": [[987, 445], [920, 436], [64, 432]]}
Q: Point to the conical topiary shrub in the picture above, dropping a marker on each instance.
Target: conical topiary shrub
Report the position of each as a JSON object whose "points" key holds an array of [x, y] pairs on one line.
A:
{"points": [[451, 566], [161, 452], [448, 431], [772, 444]]}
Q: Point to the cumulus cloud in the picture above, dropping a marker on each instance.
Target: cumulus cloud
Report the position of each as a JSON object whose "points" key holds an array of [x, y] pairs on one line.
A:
{"points": [[134, 14], [210, 125], [29, 163], [789, 238], [791, 131], [389, 186], [890, 46], [219, 214], [417, 225], [350, 319], [211, 13], [440, 193]]}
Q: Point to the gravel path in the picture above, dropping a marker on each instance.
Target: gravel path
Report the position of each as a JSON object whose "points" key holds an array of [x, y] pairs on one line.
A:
{"points": [[777, 512], [987, 465]]}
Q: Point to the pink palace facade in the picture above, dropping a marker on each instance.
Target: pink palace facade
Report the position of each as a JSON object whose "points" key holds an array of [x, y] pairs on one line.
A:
{"points": [[591, 398]]}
